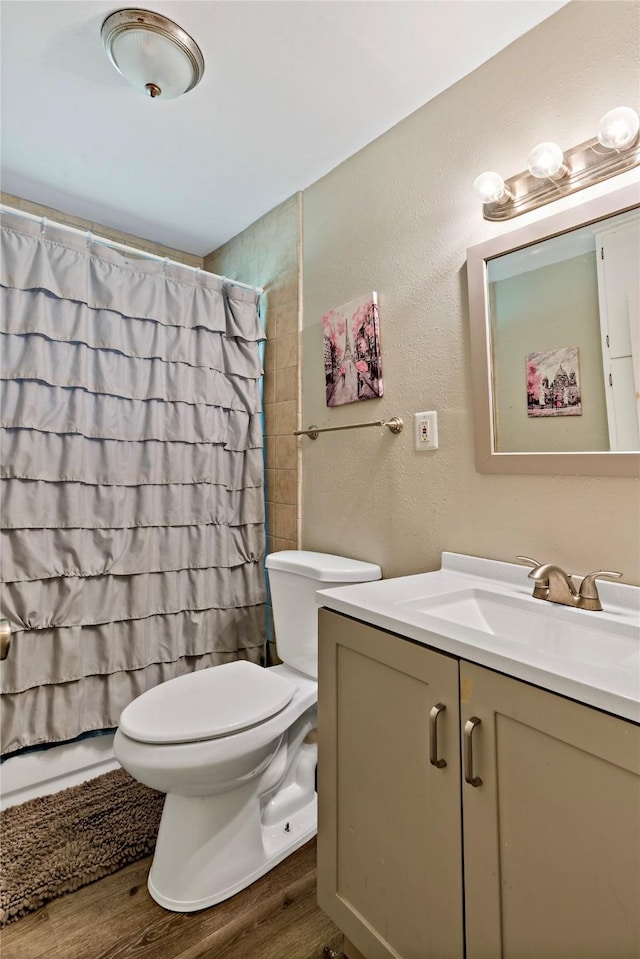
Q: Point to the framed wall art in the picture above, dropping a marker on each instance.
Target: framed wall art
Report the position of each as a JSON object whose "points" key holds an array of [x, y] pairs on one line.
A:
{"points": [[352, 362]]}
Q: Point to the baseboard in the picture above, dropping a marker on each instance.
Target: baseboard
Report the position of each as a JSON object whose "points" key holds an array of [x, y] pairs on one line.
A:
{"points": [[47, 771]]}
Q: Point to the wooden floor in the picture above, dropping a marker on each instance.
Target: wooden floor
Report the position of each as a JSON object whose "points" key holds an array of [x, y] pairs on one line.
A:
{"points": [[115, 918]]}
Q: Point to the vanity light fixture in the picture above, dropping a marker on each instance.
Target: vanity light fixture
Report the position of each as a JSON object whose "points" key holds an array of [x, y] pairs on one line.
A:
{"points": [[153, 53], [552, 174]]}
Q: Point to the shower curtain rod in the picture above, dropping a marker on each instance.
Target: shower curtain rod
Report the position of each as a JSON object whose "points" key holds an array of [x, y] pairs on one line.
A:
{"points": [[114, 244]]}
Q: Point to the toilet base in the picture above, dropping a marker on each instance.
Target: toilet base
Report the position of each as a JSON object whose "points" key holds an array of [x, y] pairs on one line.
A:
{"points": [[198, 863]]}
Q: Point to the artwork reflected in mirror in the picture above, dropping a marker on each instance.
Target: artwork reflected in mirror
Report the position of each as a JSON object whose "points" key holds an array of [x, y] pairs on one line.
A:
{"points": [[553, 383]]}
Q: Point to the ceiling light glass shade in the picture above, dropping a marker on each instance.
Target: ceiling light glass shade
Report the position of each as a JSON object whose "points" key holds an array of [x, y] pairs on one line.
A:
{"points": [[618, 128], [546, 160], [152, 53], [490, 187]]}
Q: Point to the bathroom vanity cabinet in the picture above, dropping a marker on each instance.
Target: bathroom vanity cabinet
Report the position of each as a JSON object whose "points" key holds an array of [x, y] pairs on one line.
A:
{"points": [[506, 824]]}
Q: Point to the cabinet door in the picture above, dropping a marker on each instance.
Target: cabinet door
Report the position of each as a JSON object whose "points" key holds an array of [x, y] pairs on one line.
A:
{"points": [[552, 833], [389, 830]]}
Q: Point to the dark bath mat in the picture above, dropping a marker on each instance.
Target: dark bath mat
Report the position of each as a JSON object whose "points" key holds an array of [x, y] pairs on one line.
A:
{"points": [[55, 844]]}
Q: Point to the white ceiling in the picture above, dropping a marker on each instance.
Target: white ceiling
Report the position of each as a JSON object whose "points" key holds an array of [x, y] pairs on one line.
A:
{"points": [[290, 90]]}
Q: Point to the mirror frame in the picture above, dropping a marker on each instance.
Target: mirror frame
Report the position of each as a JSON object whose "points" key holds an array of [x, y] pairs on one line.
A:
{"points": [[488, 459]]}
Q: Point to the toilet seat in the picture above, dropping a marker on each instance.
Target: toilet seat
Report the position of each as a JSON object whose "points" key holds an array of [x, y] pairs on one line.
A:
{"points": [[207, 704]]}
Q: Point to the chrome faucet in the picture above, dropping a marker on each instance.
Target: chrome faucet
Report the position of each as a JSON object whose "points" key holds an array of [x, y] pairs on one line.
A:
{"points": [[556, 586]]}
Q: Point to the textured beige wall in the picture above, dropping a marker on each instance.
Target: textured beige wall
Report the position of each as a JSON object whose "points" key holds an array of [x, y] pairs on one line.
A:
{"points": [[398, 217]]}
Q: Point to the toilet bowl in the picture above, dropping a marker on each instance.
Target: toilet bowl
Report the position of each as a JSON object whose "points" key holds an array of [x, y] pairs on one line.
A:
{"points": [[221, 827], [230, 747]]}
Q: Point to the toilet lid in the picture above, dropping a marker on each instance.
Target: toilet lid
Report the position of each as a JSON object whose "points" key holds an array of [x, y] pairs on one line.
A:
{"points": [[210, 702]]}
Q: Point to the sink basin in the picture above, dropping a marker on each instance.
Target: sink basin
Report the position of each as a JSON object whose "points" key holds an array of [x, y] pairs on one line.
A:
{"points": [[554, 630], [482, 611]]}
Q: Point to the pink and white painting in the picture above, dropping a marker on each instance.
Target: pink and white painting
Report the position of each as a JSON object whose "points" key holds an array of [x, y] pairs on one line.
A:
{"points": [[352, 364], [553, 383]]}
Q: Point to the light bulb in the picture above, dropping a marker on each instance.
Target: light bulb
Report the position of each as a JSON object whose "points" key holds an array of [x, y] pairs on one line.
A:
{"points": [[546, 161], [490, 187], [618, 128]]}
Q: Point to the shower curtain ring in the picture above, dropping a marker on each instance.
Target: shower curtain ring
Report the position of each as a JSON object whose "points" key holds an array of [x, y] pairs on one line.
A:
{"points": [[43, 226]]}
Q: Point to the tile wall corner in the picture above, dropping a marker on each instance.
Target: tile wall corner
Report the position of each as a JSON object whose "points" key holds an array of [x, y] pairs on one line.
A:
{"points": [[268, 254]]}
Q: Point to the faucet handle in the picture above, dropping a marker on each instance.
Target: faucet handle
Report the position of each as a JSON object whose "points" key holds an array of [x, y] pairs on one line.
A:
{"points": [[540, 590], [588, 596], [588, 586]]}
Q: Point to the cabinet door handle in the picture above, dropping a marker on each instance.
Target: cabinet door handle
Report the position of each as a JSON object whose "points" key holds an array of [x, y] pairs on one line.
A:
{"points": [[433, 736], [469, 726]]}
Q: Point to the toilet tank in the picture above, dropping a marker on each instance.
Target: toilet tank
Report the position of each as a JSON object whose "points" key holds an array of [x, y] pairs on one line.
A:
{"points": [[294, 577]]}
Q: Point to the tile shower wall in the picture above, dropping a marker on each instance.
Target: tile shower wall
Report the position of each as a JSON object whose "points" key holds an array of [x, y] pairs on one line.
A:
{"points": [[267, 254]]}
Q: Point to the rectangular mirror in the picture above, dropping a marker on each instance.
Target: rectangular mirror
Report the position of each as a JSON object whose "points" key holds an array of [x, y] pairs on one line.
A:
{"points": [[555, 342]]}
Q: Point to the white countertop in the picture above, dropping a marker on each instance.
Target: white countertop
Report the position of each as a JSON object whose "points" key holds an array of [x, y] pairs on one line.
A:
{"points": [[603, 672]]}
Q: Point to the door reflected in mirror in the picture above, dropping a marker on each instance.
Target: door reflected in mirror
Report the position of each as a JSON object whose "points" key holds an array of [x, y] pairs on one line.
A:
{"points": [[555, 323]]}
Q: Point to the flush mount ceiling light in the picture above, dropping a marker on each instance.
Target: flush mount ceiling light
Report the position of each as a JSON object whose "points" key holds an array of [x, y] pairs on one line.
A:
{"points": [[552, 174], [153, 53]]}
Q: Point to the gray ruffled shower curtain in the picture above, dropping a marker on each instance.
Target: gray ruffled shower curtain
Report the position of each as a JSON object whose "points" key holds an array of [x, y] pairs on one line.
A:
{"points": [[132, 480]]}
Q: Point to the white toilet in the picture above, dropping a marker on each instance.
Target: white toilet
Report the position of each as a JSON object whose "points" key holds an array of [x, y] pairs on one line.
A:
{"points": [[227, 746]]}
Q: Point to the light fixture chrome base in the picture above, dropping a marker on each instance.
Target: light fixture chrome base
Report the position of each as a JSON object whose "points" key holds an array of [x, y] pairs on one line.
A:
{"points": [[136, 18], [587, 164]]}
